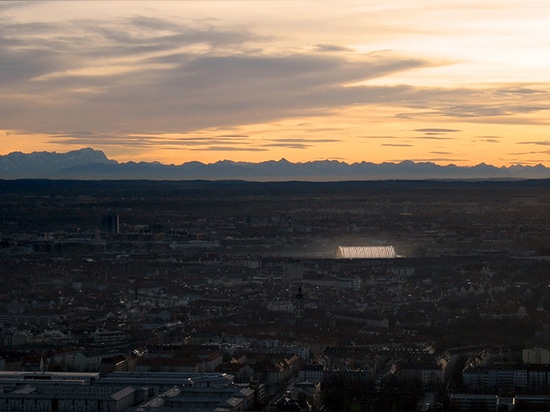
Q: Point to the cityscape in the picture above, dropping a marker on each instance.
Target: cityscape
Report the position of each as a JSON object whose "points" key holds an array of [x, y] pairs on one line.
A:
{"points": [[316, 206], [232, 295]]}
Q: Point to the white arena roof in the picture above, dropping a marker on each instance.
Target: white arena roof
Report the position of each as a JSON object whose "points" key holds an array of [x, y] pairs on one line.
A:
{"points": [[365, 252]]}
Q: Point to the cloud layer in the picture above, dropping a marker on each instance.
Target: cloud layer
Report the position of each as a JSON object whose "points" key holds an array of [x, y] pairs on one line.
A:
{"points": [[146, 80]]}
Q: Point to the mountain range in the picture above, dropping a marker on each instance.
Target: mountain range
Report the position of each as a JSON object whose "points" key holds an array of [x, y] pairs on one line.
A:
{"points": [[93, 164]]}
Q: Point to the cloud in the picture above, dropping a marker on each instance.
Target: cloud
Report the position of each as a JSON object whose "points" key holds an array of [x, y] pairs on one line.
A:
{"points": [[230, 149], [80, 43], [539, 142], [501, 113], [238, 142], [521, 91], [331, 48], [491, 105], [17, 133], [143, 140], [109, 80], [295, 143], [109, 141], [430, 137], [490, 140], [439, 159], [288, 145], [427, 136], [303, 140], [536, 152], [154, 73], [437, 130], [378, 137], [12, 5]]}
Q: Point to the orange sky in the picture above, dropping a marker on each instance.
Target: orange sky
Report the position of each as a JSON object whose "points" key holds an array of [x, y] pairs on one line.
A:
{"points": [[460, 82]]}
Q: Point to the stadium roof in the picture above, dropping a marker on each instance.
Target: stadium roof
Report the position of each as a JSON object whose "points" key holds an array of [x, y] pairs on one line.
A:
{"points": [[365, 252]]}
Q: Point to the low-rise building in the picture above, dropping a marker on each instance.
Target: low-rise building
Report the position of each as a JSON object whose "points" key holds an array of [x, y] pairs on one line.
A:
{"points": [[473, 402]]}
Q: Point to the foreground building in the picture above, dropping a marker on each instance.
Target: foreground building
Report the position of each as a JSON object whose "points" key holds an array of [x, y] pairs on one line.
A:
{"points": [[122, 391]]}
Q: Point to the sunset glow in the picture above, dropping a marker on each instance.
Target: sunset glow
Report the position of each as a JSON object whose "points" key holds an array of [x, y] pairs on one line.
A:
{"points": [[454, 82]]}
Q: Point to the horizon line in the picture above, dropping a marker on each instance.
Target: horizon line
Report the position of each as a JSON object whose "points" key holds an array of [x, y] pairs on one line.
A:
{"points": [[283, 159]]}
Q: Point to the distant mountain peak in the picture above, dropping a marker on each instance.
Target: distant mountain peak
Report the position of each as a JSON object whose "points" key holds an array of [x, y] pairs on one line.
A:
{"points": [[88, 163]]}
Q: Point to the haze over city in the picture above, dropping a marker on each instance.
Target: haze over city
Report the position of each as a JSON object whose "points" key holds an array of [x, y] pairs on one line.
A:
{"points": [[454, 82]]}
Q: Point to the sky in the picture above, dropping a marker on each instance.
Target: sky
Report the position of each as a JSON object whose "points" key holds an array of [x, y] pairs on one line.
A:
{"points": [[450, 82]]}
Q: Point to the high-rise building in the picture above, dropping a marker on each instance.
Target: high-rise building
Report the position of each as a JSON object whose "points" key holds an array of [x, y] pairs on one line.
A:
{"points": [[110, 223], [299, 307]]}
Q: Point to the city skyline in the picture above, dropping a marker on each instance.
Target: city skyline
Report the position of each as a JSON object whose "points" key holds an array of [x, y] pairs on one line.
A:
{"points": [[461, 83]]}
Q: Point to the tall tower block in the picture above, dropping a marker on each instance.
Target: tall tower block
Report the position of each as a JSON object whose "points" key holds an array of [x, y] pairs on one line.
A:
{"points": [[110, 223], [299, 307]]}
